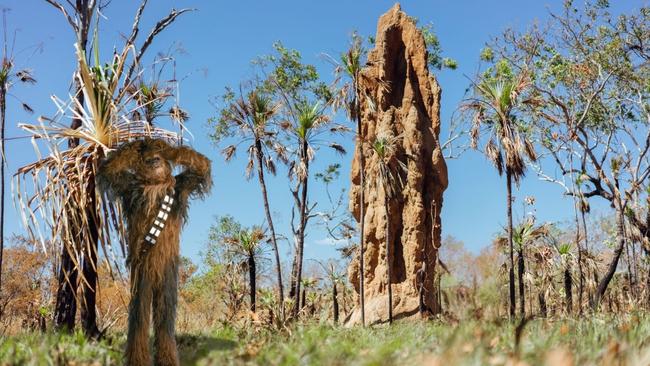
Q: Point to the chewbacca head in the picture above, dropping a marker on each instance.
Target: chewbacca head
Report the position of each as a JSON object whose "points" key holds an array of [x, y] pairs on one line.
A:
{"points": [[148, 160], [154, 169]]}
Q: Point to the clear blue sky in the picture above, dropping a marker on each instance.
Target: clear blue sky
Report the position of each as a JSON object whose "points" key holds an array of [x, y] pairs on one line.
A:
{"points": [[222, 37]]}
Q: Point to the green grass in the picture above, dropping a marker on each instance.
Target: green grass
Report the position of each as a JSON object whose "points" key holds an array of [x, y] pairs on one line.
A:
{"points": [[596, 340], [58, 349]]}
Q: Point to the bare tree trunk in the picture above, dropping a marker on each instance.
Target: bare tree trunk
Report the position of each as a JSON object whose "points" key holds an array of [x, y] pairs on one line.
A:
{"points": [[3, 111], [303, 223], [511, 272], [520, 275], [389, 264], [269, 219], [252, 285], [647, 282], [362, 206], [611, 269]]}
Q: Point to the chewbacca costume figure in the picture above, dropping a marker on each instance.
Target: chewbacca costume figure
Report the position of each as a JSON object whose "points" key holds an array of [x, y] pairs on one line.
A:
{"points": [[154, 204]]}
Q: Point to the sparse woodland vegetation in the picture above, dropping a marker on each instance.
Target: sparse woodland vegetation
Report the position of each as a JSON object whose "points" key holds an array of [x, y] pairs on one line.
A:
{"points": [[565, 101]]}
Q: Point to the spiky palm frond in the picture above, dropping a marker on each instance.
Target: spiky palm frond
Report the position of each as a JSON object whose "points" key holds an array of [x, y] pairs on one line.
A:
{"points": [[305, 130], [351, 64], [178, 115], [309, 116], [389, 168], [250, 117], [245, 242], [351, 94], [495, 101], [524, 234]]}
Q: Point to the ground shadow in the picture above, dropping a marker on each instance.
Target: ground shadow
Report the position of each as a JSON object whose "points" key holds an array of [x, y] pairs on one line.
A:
{"points": [[192, 348]]}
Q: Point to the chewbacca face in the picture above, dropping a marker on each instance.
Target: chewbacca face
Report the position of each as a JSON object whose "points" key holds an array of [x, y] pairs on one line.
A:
{"points": [[154, 168]]}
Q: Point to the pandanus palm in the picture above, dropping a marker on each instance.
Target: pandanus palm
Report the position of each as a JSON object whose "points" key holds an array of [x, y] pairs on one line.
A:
{"points": [[566, 257], [335, 276], [387, 177], [352, 95], [251, 116], [246, 244], [63, 197], [305, 132], [494, 106], [524, 235], [308, 117], [150, 99]]}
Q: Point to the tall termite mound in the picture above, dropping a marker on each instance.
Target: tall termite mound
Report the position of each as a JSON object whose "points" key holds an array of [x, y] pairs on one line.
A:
{"points": [[405, 104]]}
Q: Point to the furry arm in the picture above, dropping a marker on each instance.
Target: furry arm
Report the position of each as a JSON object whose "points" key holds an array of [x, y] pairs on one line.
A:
{"points": [[195, 179], [115, 172]]}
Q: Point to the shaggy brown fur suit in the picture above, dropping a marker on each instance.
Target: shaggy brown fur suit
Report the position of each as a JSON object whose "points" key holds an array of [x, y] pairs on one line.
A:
{"points": [[139, 175]]}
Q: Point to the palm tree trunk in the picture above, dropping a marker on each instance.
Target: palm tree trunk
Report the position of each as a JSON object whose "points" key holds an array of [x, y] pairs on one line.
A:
{"points": [[630, 274], [420, 283], [568, 286], [89, 292], [580, 272], [584, 230], [388, 260], [542, 304], [635, 267], [65, 309], [362, 206], [294, 271], [335, 303], [585, 249], [581, 281], [611, 269], [269, 219], [66, 300], [252, 286], [303, 223], [89, 267], [592, 295], [511, 273], [520, 275], [3, 111], [439, 291], [647, 283]]}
